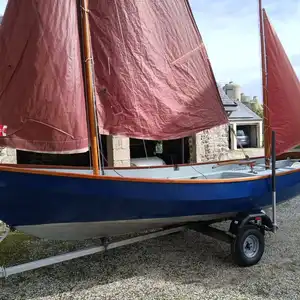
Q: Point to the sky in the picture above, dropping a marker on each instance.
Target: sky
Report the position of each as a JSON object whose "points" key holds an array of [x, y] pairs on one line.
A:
{"points": [[2, 6], [230, 31]]}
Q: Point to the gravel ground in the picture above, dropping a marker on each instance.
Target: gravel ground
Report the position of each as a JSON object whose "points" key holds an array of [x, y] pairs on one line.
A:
{"points": [[182, 266]]}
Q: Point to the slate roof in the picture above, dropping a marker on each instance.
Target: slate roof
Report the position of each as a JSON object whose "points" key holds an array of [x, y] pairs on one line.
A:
{"points": [[229, 104], [238, 110], [225, 99], [243, 113]]}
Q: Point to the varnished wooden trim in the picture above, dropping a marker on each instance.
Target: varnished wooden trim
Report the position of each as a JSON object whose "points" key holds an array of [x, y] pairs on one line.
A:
{"points": [[141, 180], [237, 162], [33, 166]]}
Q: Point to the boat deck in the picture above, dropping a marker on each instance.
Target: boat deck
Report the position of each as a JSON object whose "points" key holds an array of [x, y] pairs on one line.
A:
{"points": [[205, 171]]}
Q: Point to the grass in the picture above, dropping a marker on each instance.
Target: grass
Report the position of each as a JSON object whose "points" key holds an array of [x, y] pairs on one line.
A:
{"points": [[14, 248], [19, 248]]}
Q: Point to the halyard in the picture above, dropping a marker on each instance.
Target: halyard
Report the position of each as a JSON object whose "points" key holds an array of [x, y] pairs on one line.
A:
{"points": [[180, 266]]}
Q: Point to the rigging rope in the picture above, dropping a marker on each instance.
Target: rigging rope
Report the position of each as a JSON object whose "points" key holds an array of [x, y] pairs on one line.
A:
{"points": [[244, 152]]}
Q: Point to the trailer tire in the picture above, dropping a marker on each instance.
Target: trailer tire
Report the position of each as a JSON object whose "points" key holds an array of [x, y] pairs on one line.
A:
{"points": [[248, 246]]}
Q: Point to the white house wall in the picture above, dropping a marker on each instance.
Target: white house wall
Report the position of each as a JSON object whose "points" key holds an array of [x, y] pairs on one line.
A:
{"points": [[258, 128]]}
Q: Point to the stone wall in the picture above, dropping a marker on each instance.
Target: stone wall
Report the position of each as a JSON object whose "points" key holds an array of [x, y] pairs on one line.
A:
{"points": [[8, 156], [210, 145], [205, 146], [118, 151]]}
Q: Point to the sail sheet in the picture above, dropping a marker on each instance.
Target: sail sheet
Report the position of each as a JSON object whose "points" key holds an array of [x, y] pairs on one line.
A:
{"points": [[41, 86], [152, 73], [283, 92]]}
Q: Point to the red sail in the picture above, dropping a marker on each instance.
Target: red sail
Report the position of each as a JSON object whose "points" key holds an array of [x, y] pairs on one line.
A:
{"points": [[153, 77], [41, 87], [283, 91]]}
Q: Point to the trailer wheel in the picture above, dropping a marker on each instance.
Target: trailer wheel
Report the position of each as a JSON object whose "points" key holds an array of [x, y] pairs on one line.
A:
{"points": [[248, 246]]}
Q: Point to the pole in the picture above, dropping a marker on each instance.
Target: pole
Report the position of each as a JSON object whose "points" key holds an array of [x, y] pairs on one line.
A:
{"points": [[274, 181], [267, 133], [182, 150], [89, 86]]}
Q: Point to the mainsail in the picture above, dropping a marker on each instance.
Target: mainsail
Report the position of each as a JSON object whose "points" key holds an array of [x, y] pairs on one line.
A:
{"points": [[283, 92], [153, 76], [152, 73], [41, 86]]}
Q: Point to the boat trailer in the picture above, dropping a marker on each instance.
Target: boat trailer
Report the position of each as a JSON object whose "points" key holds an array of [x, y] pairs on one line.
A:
{"points": [[245, 234]]}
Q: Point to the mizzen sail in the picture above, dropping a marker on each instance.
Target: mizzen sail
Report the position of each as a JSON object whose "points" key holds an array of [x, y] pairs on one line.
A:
{"points": [[152, 73], [41, 87], [283, 92]]}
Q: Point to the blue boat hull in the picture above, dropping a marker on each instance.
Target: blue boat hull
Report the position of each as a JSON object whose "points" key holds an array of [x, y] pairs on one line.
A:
{"points": [[32, 200]]}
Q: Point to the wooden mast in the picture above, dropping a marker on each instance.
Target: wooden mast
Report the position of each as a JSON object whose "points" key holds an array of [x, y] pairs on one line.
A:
{"points": [[87, 51], [267, 132]]}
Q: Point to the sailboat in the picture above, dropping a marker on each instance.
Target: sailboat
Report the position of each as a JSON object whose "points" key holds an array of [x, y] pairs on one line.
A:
{"points": [[71, 70]]}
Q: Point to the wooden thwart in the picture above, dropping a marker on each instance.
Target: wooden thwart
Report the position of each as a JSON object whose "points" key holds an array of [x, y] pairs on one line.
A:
{"points": [[237, 162]]}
